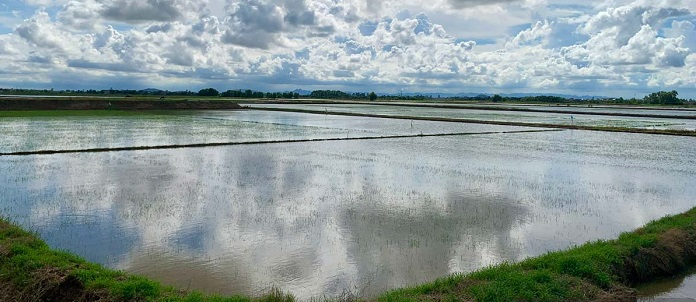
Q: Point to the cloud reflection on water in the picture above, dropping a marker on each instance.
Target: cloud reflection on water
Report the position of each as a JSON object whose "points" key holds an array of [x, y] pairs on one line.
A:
{"points": [[318, 218]]}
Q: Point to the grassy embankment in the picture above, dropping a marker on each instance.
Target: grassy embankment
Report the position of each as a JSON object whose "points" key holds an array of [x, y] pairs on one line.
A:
{"points": [[33, 104], [117, 97], [597, 271], [31, 271], [68, 113]]}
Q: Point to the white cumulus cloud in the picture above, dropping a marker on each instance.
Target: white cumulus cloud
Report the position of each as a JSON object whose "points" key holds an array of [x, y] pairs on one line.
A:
{"points": [[448, 45]]}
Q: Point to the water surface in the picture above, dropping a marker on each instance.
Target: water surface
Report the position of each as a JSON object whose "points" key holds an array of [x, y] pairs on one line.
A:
{"points": [[196, 127], [681, 287], [320, 218], [502, 115], [666, 111]]}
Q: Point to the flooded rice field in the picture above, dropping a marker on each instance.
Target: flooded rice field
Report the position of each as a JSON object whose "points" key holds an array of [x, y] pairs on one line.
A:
{"points": [[192, 127], [510, 116], [321, 218], [686, 112], [619, 109]]}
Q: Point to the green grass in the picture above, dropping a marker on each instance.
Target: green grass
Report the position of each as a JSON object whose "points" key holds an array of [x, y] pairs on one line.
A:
{"points": [[124, 98], [584, 273], [61, 113], [28, 266], [594, 271]]}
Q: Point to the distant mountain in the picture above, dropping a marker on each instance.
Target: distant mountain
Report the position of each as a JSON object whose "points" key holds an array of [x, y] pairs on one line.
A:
{"points": [[151, 90], [302, 92]]}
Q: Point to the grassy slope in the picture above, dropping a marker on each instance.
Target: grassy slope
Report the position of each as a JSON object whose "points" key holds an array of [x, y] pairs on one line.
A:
{"points": [[123, 98], [603, 270], [60, 113], [31, 271]]}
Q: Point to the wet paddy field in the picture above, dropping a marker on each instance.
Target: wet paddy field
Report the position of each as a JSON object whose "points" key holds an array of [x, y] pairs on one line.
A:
{"points": [[319, 218], [588, 119], [21, 134]]}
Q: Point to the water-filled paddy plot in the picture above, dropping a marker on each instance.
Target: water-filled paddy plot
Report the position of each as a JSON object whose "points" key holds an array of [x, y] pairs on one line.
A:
{"points": [[680, 120], [21, 134], [318, 218]]}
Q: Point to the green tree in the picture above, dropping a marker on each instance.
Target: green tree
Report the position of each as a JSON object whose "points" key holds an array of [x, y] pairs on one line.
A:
{"points": [[373, 96], [497, 98], [329, 94], [208, 92], [663, 97]]}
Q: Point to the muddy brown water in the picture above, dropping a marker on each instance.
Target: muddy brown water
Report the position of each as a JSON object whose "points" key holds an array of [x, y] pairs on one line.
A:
{"points": [[321, 218], [681, 287]]}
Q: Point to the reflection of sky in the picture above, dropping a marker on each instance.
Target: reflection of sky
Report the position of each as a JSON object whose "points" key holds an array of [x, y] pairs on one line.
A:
{"points": [[143, 130], [318, 218], [512, 116], [681, 287], [219, 126]]}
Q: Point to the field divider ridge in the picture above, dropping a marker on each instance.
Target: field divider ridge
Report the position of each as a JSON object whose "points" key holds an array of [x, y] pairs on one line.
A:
{"points": [[204, 145]]}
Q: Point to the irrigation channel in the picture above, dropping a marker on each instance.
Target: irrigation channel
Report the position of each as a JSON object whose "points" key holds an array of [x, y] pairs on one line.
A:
{"points": [[328, 203]]}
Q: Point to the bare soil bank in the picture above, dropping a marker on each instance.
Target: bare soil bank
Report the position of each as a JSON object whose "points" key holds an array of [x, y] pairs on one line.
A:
{"points": [[97, 104]]}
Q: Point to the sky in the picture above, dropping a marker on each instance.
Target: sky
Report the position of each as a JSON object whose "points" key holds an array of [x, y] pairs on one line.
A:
{"points": [[610, 48]]}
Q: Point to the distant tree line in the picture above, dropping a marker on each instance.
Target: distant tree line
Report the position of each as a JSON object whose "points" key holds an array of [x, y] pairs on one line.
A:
{"points": [[528, 99], [316, 94], [248, 93], [664, 97], [340, 95], [657, 98]]}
